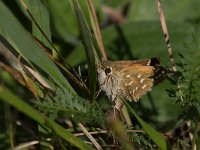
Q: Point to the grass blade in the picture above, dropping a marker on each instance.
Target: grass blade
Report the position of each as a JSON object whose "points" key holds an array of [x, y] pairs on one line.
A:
{"points": [[89, 48], [153, 134], [13, 32], [41, 18], [8, 97]]}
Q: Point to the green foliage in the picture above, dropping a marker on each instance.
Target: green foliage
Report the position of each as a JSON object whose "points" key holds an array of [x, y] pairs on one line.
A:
{"points": [[51, 28], [142, 139], [27, 48], [60, 104], [187, 94], [89, 48], [8, 97], [188, 79], [160, 141]]}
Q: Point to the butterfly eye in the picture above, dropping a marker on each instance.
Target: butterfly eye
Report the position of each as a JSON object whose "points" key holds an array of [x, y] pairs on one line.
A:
{"points": [[108, 71]]}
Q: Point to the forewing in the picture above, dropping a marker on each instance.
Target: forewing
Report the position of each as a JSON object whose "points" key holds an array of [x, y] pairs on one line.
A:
{"points": [[134, 63], [137, 80]]}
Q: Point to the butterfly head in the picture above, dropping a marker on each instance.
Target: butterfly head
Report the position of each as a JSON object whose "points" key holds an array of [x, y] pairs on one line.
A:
{"points": [[107, 78], [104, 69]]}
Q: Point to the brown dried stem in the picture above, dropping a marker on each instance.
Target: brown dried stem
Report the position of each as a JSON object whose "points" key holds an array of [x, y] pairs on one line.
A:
{"points": [[167, 40], [96, 24], [90, 137]]}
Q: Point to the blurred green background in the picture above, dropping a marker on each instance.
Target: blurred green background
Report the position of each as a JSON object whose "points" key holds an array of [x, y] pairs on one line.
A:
{"points": [[138, 36]]}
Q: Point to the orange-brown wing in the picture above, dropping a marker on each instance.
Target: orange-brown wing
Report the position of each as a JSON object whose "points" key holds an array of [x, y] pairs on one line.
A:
{"points": [[130, 63], [137, 81]]}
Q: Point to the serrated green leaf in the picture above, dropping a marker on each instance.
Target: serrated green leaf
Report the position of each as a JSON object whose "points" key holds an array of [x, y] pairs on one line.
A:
{"points": [[61, 105]]}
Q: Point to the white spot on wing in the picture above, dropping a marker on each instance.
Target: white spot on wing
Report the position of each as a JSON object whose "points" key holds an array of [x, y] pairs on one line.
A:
{"points": [[139, 76], [130, 83], [149, 62], [144, 86], [142, 80], [128, 76], [133, 91]]}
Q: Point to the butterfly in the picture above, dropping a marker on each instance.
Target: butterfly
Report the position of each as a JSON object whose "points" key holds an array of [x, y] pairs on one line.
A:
{"points": [[130, 79]]}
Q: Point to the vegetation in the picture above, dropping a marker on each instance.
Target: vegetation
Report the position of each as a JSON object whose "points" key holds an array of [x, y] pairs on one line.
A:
{"points": [[49, 93]]}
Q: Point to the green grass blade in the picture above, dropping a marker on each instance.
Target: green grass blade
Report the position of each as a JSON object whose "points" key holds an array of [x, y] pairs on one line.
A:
{"points": [[41, 17], [8, 97], [89, 48], [13, 32], [160, 141]]}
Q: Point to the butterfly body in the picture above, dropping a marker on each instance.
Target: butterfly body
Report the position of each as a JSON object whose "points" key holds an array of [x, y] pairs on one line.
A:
{"points": [[129, 79]]}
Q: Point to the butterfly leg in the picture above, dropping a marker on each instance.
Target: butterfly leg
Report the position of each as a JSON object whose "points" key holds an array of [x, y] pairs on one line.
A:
{"points": [[118, 104], [98, 92], [117, 108]]}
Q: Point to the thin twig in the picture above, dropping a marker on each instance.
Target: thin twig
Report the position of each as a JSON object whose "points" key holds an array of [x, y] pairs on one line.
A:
{"points": [[166, 34], [96, 24], [105, 132], [167, 40], [89, 136], [26, 145], [95, 132]]}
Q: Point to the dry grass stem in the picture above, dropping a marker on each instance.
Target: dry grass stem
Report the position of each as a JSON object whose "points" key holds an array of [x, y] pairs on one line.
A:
{"points": [[96, 24], [89, 136], [167, 40]]}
